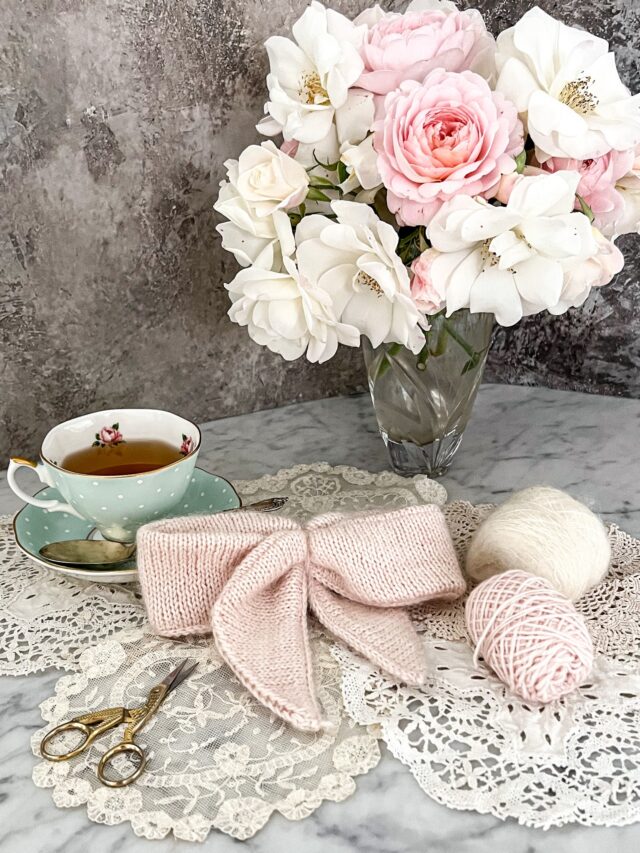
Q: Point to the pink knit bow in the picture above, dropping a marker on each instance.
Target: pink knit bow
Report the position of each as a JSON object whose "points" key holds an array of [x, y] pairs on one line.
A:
{"points": [[250, 578]]}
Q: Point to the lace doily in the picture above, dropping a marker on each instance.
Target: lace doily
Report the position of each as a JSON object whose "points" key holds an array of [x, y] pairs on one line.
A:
{"points": [[46, 620], [216, 757], [471, 744]]}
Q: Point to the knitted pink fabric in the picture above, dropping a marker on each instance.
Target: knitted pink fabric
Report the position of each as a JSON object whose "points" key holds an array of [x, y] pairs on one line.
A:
{"points": [[250, 577]]}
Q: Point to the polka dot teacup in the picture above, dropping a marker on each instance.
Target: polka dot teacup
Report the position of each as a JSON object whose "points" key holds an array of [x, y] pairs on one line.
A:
{"points": [[116, 504]]}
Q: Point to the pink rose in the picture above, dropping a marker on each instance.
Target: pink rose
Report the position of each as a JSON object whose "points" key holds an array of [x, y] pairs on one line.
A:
{"points": [[110, 435], [409, 46], [598, 177], [427, 295], [446, 136]]}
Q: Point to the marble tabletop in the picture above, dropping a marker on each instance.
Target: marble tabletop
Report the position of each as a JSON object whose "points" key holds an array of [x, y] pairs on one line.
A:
{"points": [[517, 437]]}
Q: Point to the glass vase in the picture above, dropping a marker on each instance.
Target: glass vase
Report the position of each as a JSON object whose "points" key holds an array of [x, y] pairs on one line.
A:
{"points": [[423, 402]]}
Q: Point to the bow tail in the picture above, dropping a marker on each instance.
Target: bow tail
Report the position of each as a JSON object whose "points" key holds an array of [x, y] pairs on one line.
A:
{"points": [[260, 627], [383, 635]]}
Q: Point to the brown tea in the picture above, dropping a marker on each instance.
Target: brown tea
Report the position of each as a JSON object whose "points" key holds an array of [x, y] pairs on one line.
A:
{"points": [[126, 457]]}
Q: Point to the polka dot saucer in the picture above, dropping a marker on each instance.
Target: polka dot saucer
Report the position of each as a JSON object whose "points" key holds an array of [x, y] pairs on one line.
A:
{"points": [[34, 527]]}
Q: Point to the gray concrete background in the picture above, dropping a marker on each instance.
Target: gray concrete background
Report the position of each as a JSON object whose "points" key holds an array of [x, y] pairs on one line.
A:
{"points": [[115, 119]]}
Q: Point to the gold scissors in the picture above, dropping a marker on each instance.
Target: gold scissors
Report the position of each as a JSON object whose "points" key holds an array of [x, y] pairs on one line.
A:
{"points": [[97, 723]]}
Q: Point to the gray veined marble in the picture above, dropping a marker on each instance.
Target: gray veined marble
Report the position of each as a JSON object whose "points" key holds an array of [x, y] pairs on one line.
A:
{"points": [[517, 437]]}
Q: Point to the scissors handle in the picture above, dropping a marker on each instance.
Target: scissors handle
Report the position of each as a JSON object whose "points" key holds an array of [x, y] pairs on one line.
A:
{"points": [[110, 754], [91, 725]]}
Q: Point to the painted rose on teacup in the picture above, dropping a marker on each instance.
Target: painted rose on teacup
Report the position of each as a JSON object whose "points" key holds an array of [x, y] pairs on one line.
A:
{"points": [[108, 436]]}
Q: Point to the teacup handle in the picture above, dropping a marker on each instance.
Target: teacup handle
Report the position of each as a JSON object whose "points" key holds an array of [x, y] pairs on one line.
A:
{"points": [[41, 472]]}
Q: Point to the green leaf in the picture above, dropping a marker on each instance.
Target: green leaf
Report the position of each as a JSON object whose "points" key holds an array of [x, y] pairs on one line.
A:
{"points": [[380, 207], [96, 444], [584, 207], [330, 167], [410, 243], [184, 437], [115, 426], [521, 161], [317, 195], [319, 181], [98, 436], [303, 209], [343, 174]]}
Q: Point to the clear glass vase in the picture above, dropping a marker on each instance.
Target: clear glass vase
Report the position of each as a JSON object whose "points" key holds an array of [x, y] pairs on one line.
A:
{"points": [[423, 402]]}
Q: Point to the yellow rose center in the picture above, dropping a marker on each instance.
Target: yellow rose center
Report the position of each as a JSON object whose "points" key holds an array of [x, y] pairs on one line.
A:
{"points": [[311, 89], [363, 279], [578, 96]]}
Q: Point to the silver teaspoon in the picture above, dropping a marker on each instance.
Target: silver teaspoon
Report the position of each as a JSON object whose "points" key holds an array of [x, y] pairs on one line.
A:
{"points": [[102, 553]]}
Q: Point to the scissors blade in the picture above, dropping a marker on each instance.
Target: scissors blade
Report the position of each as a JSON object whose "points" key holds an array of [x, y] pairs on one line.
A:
{"points": [[178, 675]]}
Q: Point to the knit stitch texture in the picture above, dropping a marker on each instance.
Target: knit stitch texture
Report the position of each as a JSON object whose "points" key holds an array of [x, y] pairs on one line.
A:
{"points": [[249, 578]]}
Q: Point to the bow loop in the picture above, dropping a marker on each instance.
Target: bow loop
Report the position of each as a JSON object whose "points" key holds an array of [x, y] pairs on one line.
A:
{"points": [[371, 559], [250, 579]]}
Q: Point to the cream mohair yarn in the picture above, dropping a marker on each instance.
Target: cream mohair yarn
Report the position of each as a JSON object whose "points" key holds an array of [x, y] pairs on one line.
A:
{"points": [[547, 533]]}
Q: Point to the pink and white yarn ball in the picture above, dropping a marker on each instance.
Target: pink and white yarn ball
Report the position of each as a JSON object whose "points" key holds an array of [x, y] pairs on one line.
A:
{"points": [[530, 635]]}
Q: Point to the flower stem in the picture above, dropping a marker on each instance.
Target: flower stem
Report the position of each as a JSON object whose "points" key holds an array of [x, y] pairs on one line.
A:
{"points": [[459, 340], [474, 355], [385, 364]]}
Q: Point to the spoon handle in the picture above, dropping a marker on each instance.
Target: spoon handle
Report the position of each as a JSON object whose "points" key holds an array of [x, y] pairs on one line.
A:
{"points": [[267, 505]]}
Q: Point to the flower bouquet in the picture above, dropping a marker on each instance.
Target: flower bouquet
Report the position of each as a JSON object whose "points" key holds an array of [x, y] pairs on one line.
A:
{"points": [[427, 178]]}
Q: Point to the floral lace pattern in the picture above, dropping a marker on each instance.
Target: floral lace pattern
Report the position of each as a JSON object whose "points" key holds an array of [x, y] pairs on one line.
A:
{"points": [[471, 744], [46, 620], [317, 488], [216, 757]]}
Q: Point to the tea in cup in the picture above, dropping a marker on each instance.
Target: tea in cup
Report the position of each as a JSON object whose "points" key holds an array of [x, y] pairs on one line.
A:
{"points": [[117, 469]]}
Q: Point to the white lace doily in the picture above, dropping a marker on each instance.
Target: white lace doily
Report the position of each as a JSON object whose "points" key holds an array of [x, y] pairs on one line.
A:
{"points": [[216, 757], [471, 744], [46, 620]]}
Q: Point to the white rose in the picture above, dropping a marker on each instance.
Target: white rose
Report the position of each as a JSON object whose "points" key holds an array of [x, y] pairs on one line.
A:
{"points": [[362, 164], [286, 313], [510, 261], [629, 189], [310, 78], [269, 180], [566, 87], [253, 239], [353, 125], [595, 271], [354, 261]]}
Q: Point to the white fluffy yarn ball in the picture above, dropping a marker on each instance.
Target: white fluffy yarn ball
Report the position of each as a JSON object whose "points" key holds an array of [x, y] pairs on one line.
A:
{"points": [[547, 533]]}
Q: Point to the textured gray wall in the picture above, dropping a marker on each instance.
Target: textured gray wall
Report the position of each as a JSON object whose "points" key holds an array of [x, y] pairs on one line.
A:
{"points": [[115, 119]]}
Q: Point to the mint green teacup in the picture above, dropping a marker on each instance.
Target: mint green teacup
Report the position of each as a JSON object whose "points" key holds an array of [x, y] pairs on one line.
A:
{"points": [[117, 505]]}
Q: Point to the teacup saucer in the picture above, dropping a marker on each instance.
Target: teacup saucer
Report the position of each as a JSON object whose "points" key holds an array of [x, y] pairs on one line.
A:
{"points": [[34, 527]]}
